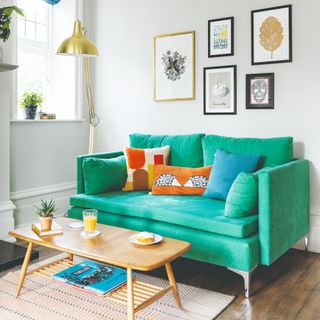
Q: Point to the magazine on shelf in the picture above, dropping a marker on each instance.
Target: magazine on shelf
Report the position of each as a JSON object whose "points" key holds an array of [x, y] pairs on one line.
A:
{"points": [[94, 277]]}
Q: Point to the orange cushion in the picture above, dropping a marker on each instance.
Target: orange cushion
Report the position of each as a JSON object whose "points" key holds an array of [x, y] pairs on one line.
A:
{"points": [[140, 164], [179, 180]]}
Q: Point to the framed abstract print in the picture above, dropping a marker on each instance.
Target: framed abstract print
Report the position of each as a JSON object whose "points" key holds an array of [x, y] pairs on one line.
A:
{"points": [[220, 37], [174, 66], [260, 91], [220, 90], [271, 35]]}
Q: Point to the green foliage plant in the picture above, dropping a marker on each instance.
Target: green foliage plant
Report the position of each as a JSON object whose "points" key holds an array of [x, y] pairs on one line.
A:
{"points": [[5, 20], [46, 209], [31, 99]]}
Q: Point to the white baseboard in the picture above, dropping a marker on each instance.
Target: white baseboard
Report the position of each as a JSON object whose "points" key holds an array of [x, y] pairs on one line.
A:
{"points": [[7, 220], [313, 237], [25, 200]]}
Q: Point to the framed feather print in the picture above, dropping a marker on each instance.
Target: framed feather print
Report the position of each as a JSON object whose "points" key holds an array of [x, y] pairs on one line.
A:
{"points": [[271, 35]]}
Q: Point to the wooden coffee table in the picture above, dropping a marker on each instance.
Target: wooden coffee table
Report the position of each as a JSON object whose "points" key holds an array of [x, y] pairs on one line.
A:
{"points": [[111, 247]]}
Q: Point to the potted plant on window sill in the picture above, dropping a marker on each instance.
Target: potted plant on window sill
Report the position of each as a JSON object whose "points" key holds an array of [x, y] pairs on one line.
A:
{"points": [[45, 213], [30, 101]]}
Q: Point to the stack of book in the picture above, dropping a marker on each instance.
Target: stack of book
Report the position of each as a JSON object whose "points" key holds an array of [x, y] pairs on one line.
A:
{"points": [[55, 229], [93, 277]]}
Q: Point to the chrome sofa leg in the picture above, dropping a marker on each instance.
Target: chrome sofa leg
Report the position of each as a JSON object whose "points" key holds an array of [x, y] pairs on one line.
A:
{"points": [[306, 242], [246, 275]]}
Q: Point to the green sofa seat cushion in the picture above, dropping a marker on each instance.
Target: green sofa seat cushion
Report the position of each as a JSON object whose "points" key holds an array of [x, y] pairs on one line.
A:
{"points": [[209, 247], [185, 150], [273, 151], [190, 211]]}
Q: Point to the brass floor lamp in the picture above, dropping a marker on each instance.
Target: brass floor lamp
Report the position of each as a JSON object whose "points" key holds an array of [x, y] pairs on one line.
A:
{"points": [[79, 45]]}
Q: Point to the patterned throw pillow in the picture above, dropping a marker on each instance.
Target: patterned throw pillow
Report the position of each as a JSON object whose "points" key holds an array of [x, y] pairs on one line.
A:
{"points": [[140, 166], [179, 180]]}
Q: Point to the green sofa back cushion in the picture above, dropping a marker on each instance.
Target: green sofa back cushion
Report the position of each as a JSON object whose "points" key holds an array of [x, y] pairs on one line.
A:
{"points": [[103, 175], [242, 199], [273, 151], [185, 150]]}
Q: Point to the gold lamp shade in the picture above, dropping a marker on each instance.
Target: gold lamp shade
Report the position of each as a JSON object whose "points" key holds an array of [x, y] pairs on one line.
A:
{"points": [[78, 44]]}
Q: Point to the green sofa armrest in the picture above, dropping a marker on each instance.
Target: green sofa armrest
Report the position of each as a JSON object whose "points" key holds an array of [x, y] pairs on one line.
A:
{"points": [[80, 180], [284, 208]]}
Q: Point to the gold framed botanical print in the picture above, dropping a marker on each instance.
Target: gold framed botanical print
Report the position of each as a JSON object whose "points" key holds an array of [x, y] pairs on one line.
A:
{"points": [[174, 66]]}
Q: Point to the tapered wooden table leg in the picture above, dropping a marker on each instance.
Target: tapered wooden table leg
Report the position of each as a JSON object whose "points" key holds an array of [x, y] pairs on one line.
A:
{"points": [[173, 283], [24, 269], [70, 256], [130, 296]]}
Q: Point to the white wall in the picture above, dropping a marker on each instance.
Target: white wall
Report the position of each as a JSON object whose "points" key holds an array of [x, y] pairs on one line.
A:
{"points": [[42, 156], [124, 31], [6, 206]]}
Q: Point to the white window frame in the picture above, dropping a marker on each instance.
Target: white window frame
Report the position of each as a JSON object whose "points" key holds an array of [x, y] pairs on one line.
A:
{"points": [[79, 70]]}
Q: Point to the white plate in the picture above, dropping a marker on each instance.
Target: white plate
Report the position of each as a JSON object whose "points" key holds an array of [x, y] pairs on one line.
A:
{"points": [[90, 235], [133, 239], [76, 225]]}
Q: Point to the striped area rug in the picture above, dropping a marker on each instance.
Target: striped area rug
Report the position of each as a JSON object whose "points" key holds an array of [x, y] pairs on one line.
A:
{"points": [[43, 299]]}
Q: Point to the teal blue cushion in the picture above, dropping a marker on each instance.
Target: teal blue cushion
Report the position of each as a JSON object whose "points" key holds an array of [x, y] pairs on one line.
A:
{"points": [[225, 169], [102, 175], [242, 199], [185, 150], [273, 151], [194, 212]]}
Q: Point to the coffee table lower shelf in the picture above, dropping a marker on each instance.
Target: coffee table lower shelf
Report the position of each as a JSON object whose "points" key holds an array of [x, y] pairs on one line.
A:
{"points": [[144, 294]]}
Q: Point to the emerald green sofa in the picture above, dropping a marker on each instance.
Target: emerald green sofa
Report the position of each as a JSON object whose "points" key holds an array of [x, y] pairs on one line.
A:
{"points": [[240, 244]]}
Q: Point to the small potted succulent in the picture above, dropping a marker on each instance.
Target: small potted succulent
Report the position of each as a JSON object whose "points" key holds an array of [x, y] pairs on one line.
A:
{"points": [[45, 213], [30, 101]]}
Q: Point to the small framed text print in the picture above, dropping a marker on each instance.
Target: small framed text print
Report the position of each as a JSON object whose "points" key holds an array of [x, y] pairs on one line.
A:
{"points": [[260, 91], [220, 37]]}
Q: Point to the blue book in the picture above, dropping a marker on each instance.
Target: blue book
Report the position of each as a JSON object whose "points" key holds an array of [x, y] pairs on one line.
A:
{"points": [[95, 277]]}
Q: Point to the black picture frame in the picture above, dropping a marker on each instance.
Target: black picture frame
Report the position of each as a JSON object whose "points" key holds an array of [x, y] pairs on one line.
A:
{"points": [[289, 37], [260, 91], [210, 55], [233, 69]]}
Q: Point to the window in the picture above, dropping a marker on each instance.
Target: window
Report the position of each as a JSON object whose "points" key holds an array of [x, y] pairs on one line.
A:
{"points": [[57, 77]]}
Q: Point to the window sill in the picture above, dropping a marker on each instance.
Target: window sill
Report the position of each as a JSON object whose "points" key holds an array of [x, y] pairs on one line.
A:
{"points": [[46, 121]]}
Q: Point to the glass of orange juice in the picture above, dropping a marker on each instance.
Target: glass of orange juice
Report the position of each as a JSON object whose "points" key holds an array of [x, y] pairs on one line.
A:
{"points": [[90, 221]]}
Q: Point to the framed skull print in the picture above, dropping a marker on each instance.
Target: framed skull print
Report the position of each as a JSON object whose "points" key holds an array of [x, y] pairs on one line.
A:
{"points": [[260, 91]]}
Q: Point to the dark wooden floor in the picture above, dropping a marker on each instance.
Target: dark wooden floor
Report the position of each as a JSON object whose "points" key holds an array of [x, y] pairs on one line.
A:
{"points": [[289, 289]]}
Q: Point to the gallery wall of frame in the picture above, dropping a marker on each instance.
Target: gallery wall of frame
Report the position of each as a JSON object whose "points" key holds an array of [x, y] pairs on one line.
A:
{"points": [[174, 62]]}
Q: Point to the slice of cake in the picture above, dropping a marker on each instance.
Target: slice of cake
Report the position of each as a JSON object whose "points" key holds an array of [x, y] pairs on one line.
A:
{"points": [[145, 237]]}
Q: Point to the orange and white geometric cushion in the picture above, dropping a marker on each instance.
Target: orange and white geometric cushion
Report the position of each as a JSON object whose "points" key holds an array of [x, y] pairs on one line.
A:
{"points": [[140, 166]]}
